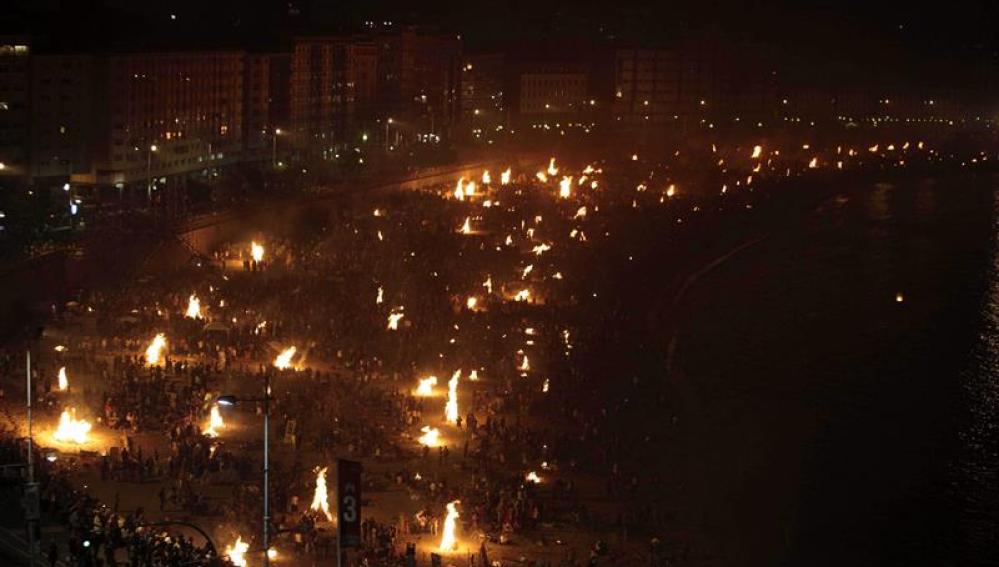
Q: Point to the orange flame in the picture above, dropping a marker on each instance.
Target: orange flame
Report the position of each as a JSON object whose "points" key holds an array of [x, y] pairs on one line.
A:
{"points": [[426, 387], [449, 541], [237, 552], [214, 422], [193, 308], [565, 187], [283, 360], [320, 499], [70, 429], [393, 320], [431, 436], [451, 408], [154, 352]]}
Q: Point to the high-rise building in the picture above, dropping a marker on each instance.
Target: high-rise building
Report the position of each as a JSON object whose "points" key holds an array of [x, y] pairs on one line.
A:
{"points": [[311, 91], [333, 90], [360, 65], [62, 115], [482, 85], [188, 105], [555, 82], [648, 84], [691, 77], [14, 105], [419, 78], [267, 79], [355, 87], [555, 93]]}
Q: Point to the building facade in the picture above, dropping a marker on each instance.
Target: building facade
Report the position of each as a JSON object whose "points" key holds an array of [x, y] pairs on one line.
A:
{"points": [[556, 93], [691, 78], [188, 106], [14, 104], [266, 102], [62, 115], [419, 79], [311, 94]]}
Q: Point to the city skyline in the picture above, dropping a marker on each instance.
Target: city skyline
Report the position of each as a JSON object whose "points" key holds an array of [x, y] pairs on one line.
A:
{"points": [[850, 41]]}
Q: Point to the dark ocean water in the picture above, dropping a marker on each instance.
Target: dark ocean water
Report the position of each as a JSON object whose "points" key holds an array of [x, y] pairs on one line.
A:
{"points": [[836, 425]]}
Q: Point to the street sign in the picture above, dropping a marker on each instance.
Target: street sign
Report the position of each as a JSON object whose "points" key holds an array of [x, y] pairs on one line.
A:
{"points": [[348, 503]]}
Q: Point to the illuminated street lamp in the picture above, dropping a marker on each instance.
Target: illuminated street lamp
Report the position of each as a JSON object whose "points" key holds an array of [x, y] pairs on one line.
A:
{"points": [[388, 122], [149, 174], [230, 401], [72, 206], [274, 161]]}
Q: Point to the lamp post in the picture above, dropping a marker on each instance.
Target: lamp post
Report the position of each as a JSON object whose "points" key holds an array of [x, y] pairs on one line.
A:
{"points": [[149, 174], [277, 132], [68, 189], [388, 122], [230, 400], [31, 464]]}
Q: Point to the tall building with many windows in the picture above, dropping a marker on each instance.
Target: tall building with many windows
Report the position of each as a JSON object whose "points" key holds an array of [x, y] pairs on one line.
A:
{"points": [[556, 93], [419, 79], [188, 105], [311, 91], [62, 115], [266, 102], [14, 104], [692, 77]]}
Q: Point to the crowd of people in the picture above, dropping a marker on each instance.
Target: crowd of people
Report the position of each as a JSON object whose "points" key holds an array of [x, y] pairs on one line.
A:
{"points": [[544, 300], [97, 534]]}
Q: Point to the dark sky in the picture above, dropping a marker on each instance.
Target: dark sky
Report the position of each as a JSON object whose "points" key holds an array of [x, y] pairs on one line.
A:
{"points": [[917, 39]]}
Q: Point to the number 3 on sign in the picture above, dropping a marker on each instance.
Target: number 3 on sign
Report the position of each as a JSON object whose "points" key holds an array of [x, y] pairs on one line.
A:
{"points": [[349, 508]]}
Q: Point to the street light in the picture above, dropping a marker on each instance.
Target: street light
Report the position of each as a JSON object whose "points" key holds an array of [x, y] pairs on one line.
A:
{"points": [[388, 122], [230, 400], [149, 174], [72, 206], [274, 162], [32, 487]]}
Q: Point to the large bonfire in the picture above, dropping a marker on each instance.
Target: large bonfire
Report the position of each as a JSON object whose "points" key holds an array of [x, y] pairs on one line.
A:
{"points": [[449, 540], [320, 499], [70, 429], [154, 352]]}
